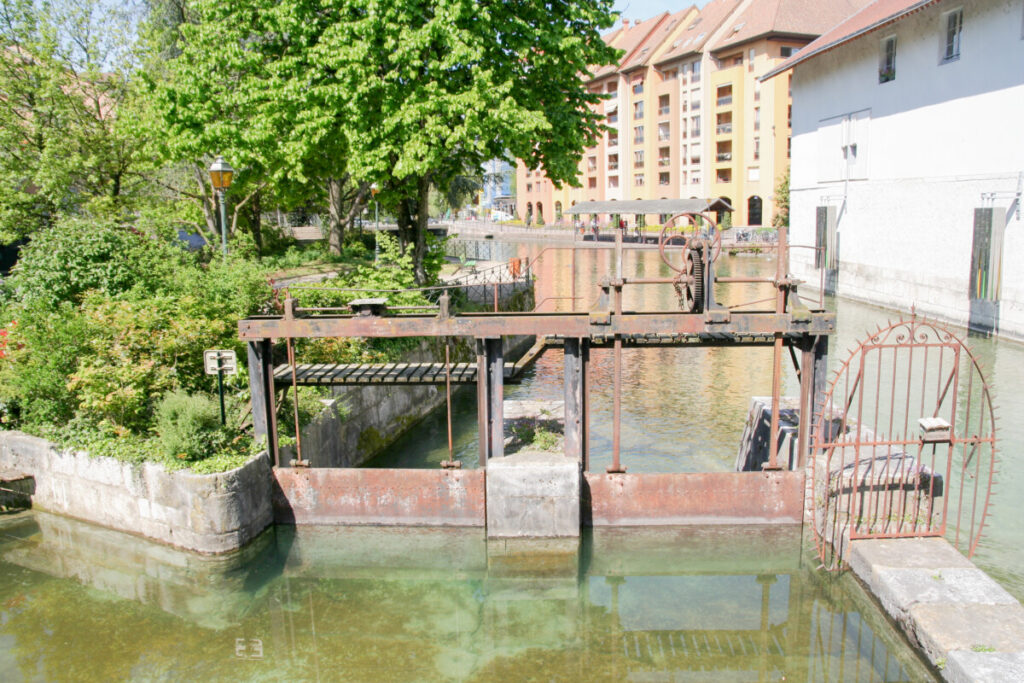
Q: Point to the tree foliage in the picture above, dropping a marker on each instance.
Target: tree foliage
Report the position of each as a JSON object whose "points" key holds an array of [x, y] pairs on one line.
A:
{"points": [[781, 216], [405, 93], [63, 146]]}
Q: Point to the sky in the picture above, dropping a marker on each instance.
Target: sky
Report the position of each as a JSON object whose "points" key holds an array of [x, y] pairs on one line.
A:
{"points": [[645, 9]]}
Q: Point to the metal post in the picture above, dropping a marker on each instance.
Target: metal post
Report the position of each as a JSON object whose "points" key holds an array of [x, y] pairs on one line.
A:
{"points": [[496, 364], [376, 229], [573, 373], [220, 390], [616, 466], [585, 402], [819, 381], [261, 388], [223, 222], [781, 270], [806, 412], [482, 404]]}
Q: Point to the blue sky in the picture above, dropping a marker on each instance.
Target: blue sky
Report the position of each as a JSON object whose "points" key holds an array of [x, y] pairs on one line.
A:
{"points": [[645, 9]]}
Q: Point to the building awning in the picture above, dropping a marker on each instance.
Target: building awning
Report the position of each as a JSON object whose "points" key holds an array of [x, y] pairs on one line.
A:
{"points": [[650, 206], [610, 106]]}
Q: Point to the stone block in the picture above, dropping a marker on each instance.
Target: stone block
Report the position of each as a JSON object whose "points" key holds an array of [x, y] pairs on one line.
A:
{"points": [[533, 495], [967, 666], [941, 628], [906, 587]]}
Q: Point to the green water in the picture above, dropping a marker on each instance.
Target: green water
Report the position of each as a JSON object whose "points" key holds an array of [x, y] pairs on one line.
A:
{"points": [[683, 410], [81, 603]]}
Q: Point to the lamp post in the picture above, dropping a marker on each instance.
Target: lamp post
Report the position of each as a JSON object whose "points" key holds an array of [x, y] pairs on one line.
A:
{"points": [[374, 189], [221, 174]]}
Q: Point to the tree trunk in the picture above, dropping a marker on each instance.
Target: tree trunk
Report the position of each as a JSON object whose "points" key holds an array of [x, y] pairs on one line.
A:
{"points": [[404, 221], [336, 220], [422, 214], [256, 223]]}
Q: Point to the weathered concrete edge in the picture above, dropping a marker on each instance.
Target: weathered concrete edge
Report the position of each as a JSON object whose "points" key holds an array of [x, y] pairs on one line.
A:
{"points": [[207, 513], [962, 620]]}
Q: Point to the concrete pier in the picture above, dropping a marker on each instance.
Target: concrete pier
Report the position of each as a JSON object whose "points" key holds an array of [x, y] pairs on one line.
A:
{"points": [[965, 623], [533, 494]]}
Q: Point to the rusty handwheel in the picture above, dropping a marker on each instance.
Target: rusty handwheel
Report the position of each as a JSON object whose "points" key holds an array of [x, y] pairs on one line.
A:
{"points": [[692, 295]]}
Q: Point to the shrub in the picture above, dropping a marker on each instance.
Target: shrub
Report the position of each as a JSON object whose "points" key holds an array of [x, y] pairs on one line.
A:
{"points": [[188, 426]]}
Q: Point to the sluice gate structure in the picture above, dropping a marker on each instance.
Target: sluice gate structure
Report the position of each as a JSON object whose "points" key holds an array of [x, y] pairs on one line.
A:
{"points": [[553, 496]]}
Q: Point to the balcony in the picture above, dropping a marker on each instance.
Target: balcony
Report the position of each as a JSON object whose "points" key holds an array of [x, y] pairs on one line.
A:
{"points": [[664, 161], [724, 129], [613, 166], [663, 111], [724, 101], [724, 156]]}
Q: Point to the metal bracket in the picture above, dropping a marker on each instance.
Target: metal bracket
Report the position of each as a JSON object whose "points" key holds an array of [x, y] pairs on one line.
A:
{"points": [[600, 318], [718, 315]]}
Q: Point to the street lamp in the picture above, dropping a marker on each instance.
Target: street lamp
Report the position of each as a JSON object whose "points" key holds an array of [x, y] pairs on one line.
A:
{"points": [[374, 189], [221, 174]]}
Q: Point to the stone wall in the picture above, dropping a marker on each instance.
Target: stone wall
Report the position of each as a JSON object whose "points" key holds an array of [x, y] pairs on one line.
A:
{"points": [[359, 422], [208, 513]]}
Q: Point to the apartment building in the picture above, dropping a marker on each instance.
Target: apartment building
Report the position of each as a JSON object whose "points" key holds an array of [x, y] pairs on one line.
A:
{"points": [[688, 114]]}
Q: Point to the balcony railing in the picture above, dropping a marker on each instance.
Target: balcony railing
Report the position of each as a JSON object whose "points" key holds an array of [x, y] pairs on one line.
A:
{"points": [[663, 111], [613, 166], [724, 128], [724, 156], [723, 101], [664, 161]]}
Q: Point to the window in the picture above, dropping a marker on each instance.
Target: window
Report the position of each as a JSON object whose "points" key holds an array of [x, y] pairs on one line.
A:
{"points": [[612, 87], [663, 105], [789, 116], [789, 147], [887, 65], [695, 127], [664, 178], [664, 156], [695, 180], [724, 175], [696, 72], [638, 88], [592, 183], [529, 187], [757, 118], [787, 51], [638, 109], [695, 155], [757, 148], [591, 164], [638, 179], [737, 60], [613, 162], [695, 105], [638, 134], [638, 159], [613, 138], [757, 91], [724, 95], [954, 26], [664, 131], [613, 116], [750, 60], [613, 181]]}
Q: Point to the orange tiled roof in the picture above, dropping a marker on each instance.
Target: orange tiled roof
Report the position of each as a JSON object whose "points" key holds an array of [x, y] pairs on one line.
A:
{"points": [[876, 15], [693, 39], [631, 39], [807, 18], [642, 57]]}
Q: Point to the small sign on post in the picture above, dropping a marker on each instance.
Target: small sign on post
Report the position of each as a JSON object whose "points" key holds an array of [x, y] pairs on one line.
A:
{"points": [[220, 362]]}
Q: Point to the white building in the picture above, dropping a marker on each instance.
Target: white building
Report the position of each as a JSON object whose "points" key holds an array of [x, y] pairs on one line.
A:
{"points": [[908, 159]]}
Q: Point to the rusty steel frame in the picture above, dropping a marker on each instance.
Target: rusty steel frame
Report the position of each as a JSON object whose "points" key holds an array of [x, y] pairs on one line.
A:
{"points": [[790, 323], [894, 369]]}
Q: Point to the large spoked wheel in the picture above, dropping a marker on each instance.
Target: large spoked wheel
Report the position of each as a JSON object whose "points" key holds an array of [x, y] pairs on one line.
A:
{"points": [[692, 295]]}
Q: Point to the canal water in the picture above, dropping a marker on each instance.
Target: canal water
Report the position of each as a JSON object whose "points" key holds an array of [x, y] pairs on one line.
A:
{"points": [[683, 410], [82, 603]]}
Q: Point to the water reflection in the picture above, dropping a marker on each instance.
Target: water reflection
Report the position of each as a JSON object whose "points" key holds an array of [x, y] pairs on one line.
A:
{"points": [[431, 604]]}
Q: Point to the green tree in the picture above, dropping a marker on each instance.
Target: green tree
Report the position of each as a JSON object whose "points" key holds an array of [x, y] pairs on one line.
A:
{"points": [[781, 216], [409, 94], [63, 146]]}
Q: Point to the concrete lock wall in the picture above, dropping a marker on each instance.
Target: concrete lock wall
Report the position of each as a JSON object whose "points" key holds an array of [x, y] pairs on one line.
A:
{"points": [[359, 422], [208, 513]]}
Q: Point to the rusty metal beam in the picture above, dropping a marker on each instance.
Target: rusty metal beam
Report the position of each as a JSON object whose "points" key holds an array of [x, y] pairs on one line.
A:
{"points": [[574, 325]]}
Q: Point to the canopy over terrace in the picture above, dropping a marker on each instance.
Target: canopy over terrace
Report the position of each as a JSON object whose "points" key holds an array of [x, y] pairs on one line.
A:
{"points": [[650, 206]]}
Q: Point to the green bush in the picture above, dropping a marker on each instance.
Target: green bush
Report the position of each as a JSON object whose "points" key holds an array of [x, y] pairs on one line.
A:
{"points": [[188, 426]]}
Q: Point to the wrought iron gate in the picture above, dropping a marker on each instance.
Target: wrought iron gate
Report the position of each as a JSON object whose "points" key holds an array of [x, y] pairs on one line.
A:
{"points": [[905, 443]]}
